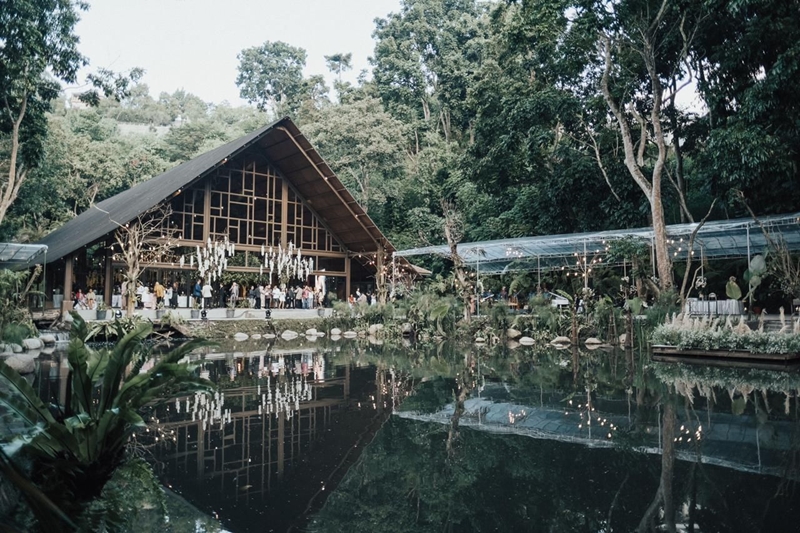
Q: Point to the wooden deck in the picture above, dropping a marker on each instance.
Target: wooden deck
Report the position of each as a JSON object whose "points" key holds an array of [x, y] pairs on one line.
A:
{"points": [[726, 358]]}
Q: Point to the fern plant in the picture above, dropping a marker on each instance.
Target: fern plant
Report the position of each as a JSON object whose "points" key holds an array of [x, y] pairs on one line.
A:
{"points": [[75, 448]]}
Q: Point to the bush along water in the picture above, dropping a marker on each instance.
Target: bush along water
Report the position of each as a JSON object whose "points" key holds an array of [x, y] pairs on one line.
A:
{"points": [[74, 449], [685, 332]]}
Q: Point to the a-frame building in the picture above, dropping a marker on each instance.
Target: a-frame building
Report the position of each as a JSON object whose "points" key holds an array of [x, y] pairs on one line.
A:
{"points": [[266, 188]]}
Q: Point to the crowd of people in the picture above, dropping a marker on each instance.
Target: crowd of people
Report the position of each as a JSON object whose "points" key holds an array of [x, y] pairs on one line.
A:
{"points": [[260, 296], [278, 296]]}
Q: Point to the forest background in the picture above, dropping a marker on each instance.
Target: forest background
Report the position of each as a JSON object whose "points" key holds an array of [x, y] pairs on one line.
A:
{"points": [[498, 107]]}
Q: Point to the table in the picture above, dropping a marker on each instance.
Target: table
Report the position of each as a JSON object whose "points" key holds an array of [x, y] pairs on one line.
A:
{"points": [[183, 301], [714, 307]]}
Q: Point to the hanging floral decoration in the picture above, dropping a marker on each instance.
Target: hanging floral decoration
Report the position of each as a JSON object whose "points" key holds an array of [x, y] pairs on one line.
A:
{"points": [[212, 260], [286, 262]]}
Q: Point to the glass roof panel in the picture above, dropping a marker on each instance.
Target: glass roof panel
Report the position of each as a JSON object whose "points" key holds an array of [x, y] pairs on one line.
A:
{"points": [[715, 239]]}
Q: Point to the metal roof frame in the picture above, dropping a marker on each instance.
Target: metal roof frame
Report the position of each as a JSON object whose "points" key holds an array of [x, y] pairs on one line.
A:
{"points": [[16, 256], [716, 239]]}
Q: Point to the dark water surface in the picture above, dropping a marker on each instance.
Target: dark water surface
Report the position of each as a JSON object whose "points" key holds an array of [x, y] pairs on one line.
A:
{"points": [[349, 436]]}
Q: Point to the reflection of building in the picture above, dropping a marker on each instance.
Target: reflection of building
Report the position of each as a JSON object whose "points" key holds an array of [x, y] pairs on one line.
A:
{"points": [[265, 189], [240, 460], [726, 440]]}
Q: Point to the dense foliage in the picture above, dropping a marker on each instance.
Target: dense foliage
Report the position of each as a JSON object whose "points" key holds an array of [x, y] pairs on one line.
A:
{"points": [[496, 106]]}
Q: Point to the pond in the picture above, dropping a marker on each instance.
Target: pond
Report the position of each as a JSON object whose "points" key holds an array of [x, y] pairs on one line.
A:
{"points": [[352, 436]]}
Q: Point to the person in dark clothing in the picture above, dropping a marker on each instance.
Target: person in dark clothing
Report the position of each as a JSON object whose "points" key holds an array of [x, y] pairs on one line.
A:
{"points": [[223, 294], [173, 302]]}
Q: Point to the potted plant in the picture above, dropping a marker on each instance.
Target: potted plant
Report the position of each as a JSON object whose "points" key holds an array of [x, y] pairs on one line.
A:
{"points": [[230, 311], [160, 310], [195, 312], [102, 310]]}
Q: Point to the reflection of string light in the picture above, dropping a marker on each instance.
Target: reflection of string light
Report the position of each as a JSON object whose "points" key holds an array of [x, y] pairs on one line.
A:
{"points": [[206, 408], [286, 399]]}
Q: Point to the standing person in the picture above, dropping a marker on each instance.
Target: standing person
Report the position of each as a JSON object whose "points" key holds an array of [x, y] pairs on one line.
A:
{"points": [[158, 289], [261, 296], [142, 295], [282, 298], [222, 301], [276, 296], [251, 296], [298, 297], [167, 295], [123, 303], [268, 297], [234, 296], [173, 302], [207, 295], [197, 291]]}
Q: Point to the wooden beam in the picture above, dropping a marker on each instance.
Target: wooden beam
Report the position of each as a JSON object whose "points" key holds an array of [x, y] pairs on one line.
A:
{"points": [[108, 279]]}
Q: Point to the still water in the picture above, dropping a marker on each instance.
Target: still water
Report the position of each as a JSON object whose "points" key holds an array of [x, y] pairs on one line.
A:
{"points": [[351, 436]]}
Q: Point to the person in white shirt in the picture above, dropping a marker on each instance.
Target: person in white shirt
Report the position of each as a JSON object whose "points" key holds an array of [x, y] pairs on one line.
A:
{"points": [[276, 296], [206, 295]]}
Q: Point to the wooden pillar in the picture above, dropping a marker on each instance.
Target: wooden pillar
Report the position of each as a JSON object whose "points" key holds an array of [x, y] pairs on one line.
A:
{"points": [[66, 305], [347, 277], [108, 279], [284, 212], [206, 213], [380, 276]]}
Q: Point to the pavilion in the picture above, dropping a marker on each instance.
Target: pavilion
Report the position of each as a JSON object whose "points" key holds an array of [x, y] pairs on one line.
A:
{"points": [[267, 188], [719, 239]]}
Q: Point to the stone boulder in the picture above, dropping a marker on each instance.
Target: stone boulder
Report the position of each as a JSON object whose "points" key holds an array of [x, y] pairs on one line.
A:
{"points": [[240, 336], [593, 341], [336, 337], [527, 341], [22, 363], [512, 333], [16, 348], [311, 332], [336, 331], [32, 344], [289, 335], [269, 336], [561, 340], [479, 340], [375, 328], [48, 338], [255, 336], [350, 335]]}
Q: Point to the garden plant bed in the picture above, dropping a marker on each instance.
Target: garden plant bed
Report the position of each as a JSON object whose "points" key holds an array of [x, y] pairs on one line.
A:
{"points": [[739, 358]]}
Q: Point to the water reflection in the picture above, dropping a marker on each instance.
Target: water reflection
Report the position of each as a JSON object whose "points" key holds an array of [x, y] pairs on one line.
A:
{"points": [[465, 438], [279, 434]]}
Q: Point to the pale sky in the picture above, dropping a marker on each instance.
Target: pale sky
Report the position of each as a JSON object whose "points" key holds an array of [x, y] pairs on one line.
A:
{"points": [[192, 44]]}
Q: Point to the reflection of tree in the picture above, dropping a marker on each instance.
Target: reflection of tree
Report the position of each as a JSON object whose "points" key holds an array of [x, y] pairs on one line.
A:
{"points": [[664, 492]]}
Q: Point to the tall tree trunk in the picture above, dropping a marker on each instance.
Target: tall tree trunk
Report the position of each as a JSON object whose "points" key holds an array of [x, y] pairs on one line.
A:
{"points": [[16, 174]]}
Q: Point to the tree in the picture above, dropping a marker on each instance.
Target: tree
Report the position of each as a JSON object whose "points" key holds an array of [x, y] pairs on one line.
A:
{"points": [[142, 241], [271, 76], [39, 47], [338, 63], [425, 57], [364, 145]]}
